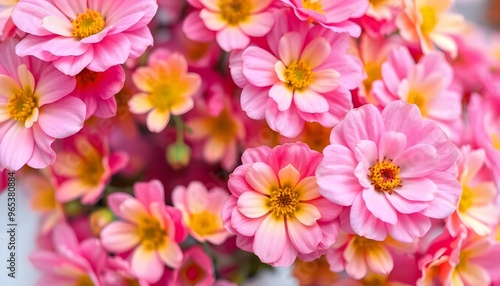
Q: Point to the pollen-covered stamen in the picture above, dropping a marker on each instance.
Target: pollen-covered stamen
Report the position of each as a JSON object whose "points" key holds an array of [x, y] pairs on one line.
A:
{"points": [[429, 19], [298, 75], [235, 11], [284, 202], [21, 105], [165, 95], [151, 233], [313, 5], [385, 176], [87, 24]]}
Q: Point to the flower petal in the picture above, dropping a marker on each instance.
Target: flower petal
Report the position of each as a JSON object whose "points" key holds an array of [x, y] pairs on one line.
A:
{"points": [[270, 239], [288, 176], [261, 177], [307, 214], [304, 238], [119, 236], [253, 204], [157, 120]]}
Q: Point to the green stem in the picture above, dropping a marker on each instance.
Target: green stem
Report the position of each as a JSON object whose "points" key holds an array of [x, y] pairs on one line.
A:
{"points": [[179, 126]]}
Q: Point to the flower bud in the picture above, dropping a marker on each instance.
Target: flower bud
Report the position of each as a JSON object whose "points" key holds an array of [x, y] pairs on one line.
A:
{"points": [[178, 155]]}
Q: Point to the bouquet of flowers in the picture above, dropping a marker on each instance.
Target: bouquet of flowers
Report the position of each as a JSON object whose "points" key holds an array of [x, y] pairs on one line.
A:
{"points": [[201, 142]]}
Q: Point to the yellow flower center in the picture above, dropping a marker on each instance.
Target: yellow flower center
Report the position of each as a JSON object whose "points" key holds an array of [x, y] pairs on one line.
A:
{"points": [[364, 244], [497, 234], [132, 282], [165, 95], [87, 24], [377, 3], [373, 72], [385, 176], [314, 5], [151, 233], [91, 170], [204, 223], [223, 127], [21, 105], [283, 202], [84, 281], [466, 199], [298, 75], [373, 279], [429, 19], [419, 99], [235, 11], [495, 139], [86, 77]]}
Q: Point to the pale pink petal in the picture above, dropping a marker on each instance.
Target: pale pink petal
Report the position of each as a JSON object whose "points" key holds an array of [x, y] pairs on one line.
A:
{"points": [[316, 52], [355, 265], [270, 239], [417, 161], [140, 103], [253, 155], [364, 123], [290, 46], [71, 8], [379, 260], [214, 149], [308, 189], [150, 192], [325, 80], [282, 95], [62, 118], [258, 25], [64, 46], [16, 147], [171, 254], [258, 67], [366, 152], [43, 155], [288, 176], [195, 29], [328, 210], [289, 255], [132, 210], [232, 38], [26, 78], [111, 51], [253, 204], [254, 101], [396, 110], [183, 106], [310, 101], [8, 86], [391, 145], [73, 65], [115, 200], [304, 238], [52, 85], [146, 264], [379, 206], [212, 21], [307, 214], [261, 178], [210, 4], [141, 39], [364, 223], [421, 189], [475, 275], [70, 190], [119, 236], [244, 225], [409, 227], [58, 26], [157, 120], [404, 205]]}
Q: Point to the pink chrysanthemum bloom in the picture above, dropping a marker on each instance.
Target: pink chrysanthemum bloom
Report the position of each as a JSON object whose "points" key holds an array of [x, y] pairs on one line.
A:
{"points": [[72, 262], [165, 87], [393, 174], [35, 109], [86, 170], [148, 226], [79, 34], [360, 256], [335, 15], [427, 23], [201, 211], [476, 208], [196, 269], [305, 76], [233, 21], [275, 209], [428, 84], [97, 90]]}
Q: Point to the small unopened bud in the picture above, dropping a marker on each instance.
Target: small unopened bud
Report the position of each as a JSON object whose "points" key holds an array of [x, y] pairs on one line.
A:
{"points": [[99, 219], [74, 208], [178, 155]]}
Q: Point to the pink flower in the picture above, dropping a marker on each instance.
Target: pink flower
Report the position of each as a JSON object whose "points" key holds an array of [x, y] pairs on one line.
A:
{"points": [[97, 90], [305, 76], [150, 227], [72, 262], [166, 88], [275, 209], [7, 27], [428, 84], [233, 21], [196, 269], [118, 272], [476, 208], [335, 15], [426, 22], [393, 174], [86, 170], [201, 211], [75, 34], [34, 110]]}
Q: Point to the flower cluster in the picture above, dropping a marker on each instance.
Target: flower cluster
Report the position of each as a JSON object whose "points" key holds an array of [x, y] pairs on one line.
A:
{"points": [[172, 142]]}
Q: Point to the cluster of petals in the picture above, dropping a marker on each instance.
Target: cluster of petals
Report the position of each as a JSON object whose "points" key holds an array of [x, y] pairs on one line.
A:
{"points": [[35, 109], [335, 15], [428, 84], [233, 22], [275, 209], [148, 227], [201, 210], [304, 75], [391, 175], [78, 34]]}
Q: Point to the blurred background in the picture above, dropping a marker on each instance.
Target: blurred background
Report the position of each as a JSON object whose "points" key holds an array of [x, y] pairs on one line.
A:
{"points": [[484, 13]]}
